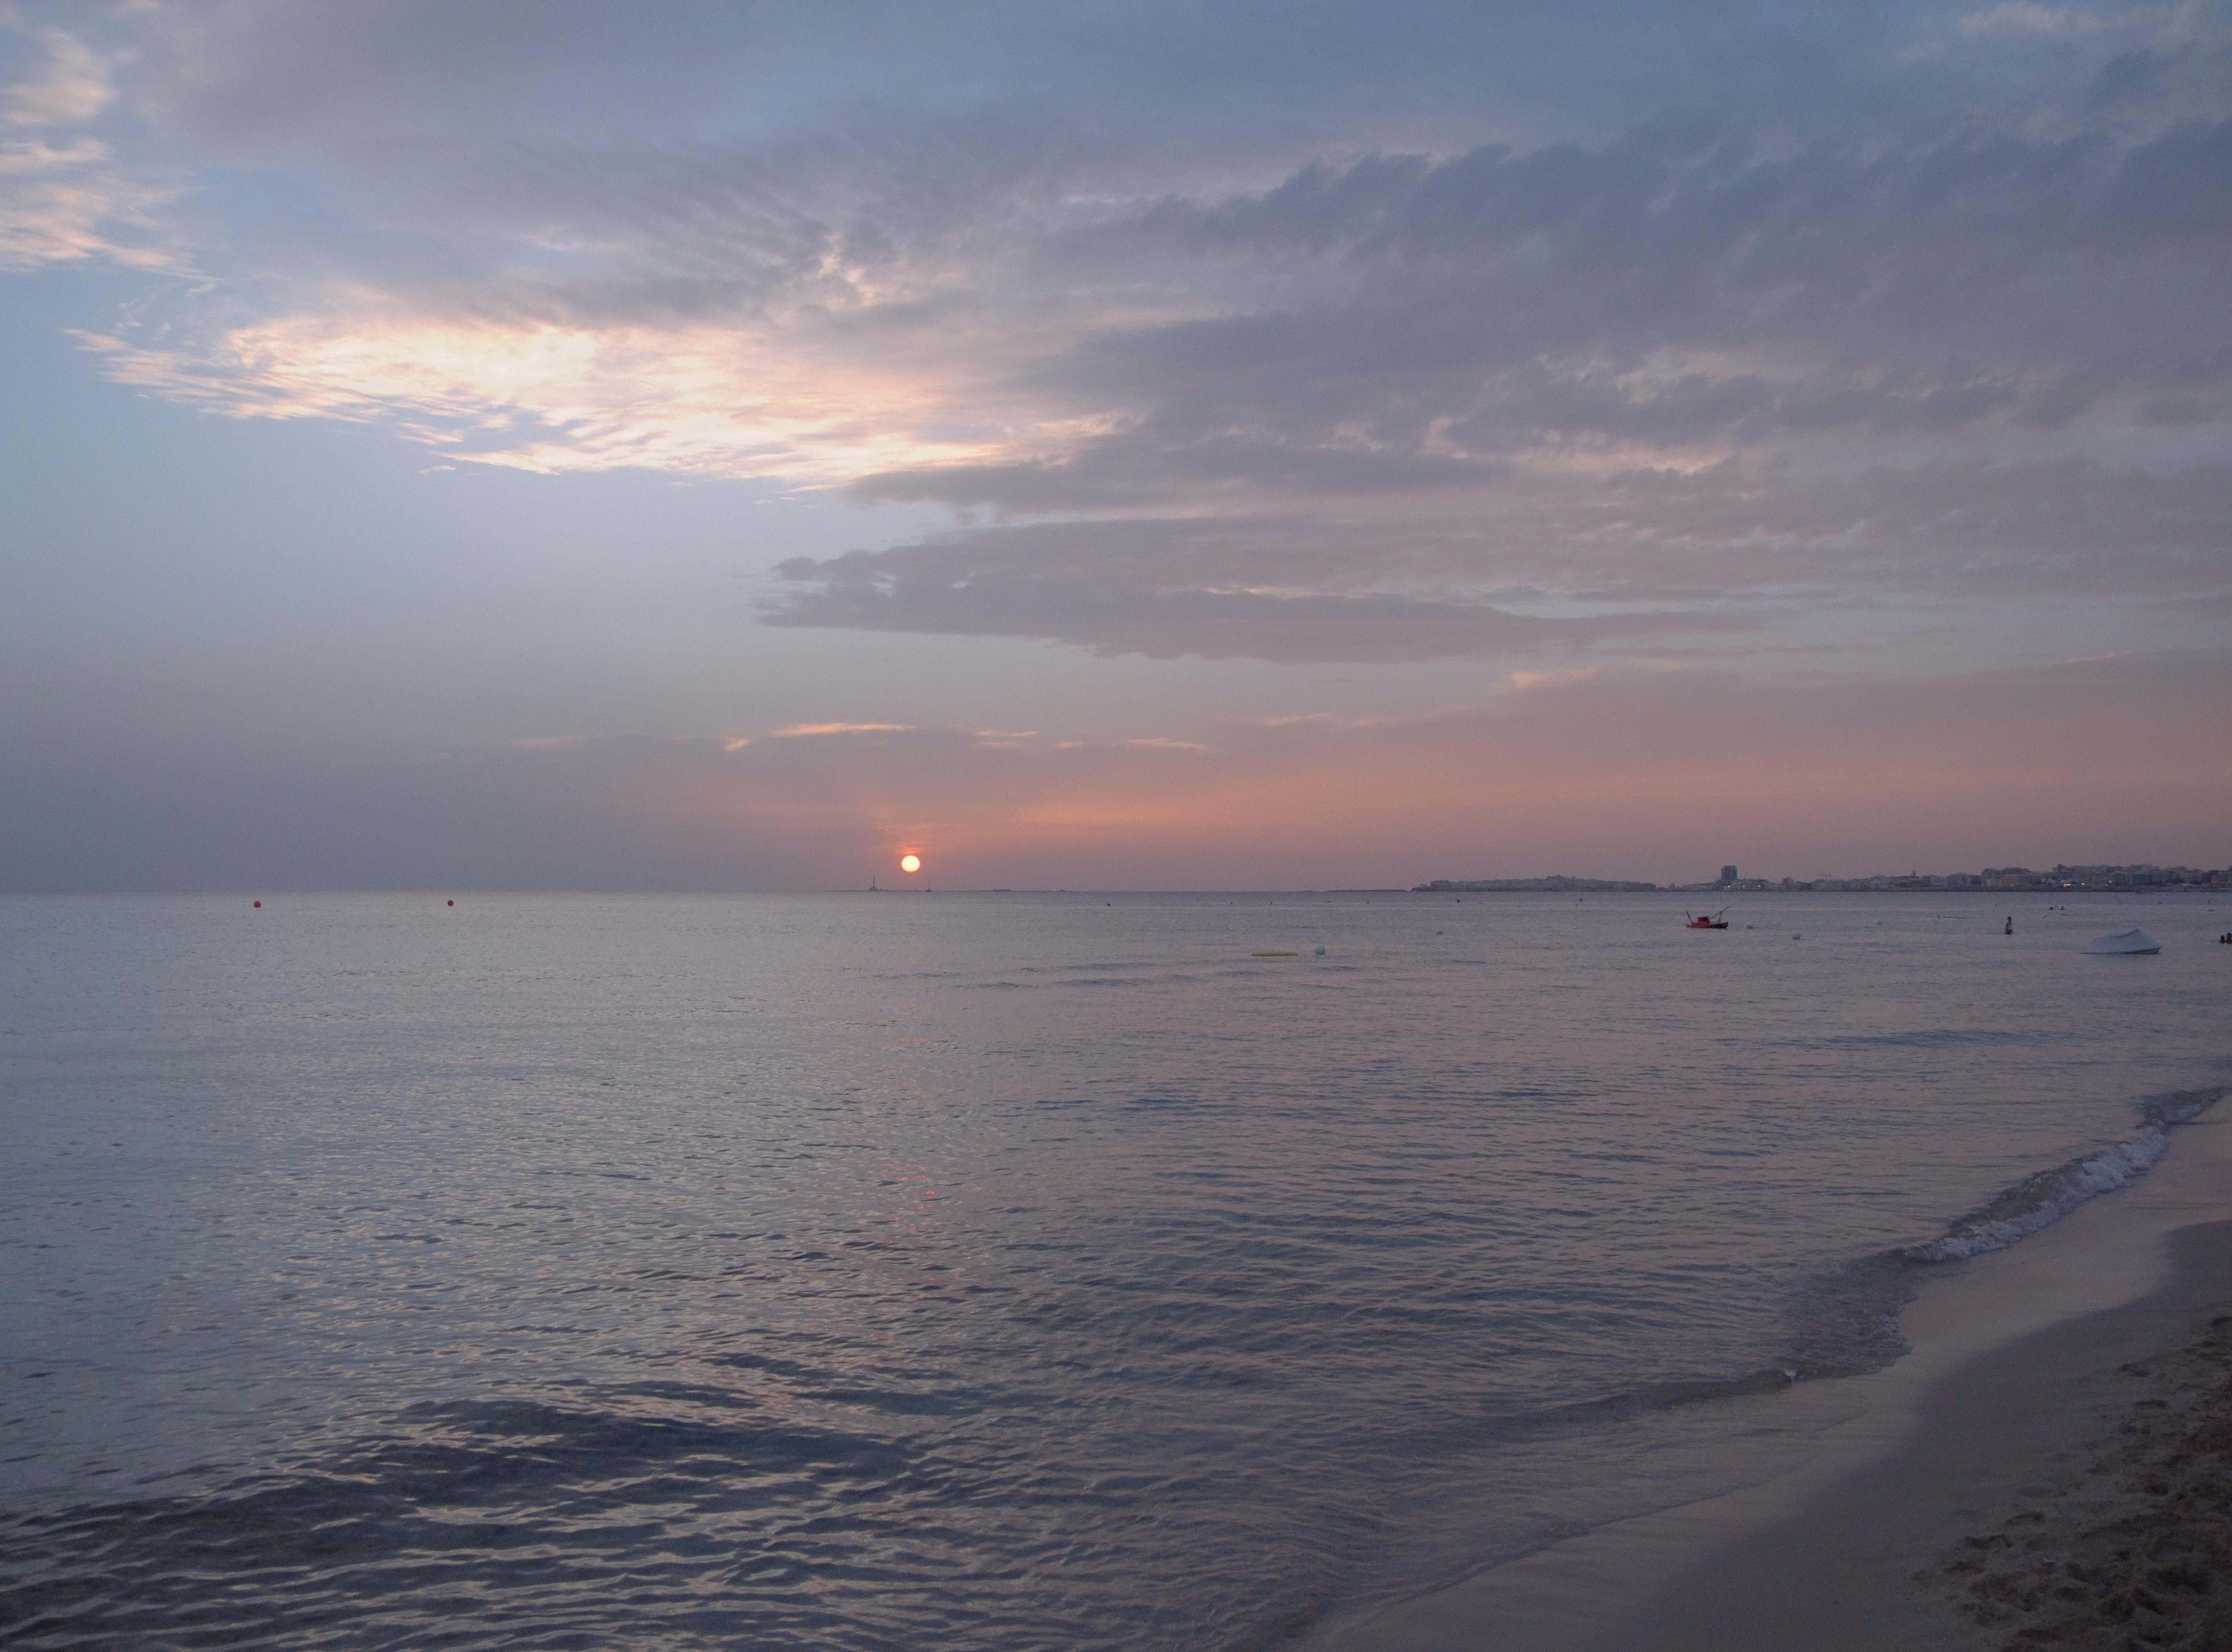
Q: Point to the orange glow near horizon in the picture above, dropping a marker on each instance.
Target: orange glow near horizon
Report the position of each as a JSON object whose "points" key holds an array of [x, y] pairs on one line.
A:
{"points": [[1596, 778]]}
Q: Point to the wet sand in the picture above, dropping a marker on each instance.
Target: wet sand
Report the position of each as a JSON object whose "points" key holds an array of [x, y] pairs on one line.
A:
{"points": [[2049, 1496], [2052, 1467]]}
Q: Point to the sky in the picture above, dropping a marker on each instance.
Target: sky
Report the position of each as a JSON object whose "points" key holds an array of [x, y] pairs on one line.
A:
{"points": [[551, 445]]}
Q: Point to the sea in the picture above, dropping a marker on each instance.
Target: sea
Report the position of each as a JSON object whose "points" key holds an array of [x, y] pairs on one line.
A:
{"points": [[974, 1271]]}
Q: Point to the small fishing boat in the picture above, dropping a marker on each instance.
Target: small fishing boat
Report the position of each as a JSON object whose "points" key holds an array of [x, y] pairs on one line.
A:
{"points": [[2123, 943], [1703, 921]]}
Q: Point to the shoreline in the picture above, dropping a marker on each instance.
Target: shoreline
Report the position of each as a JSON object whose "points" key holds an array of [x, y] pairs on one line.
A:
{"points": [[2015, 1383]]}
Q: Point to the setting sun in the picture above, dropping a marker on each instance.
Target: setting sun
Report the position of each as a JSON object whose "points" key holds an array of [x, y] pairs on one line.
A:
{"points": [[910, 863]]}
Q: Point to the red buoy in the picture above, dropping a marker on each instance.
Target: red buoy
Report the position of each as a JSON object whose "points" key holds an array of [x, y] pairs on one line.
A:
{"points": [[453, 903], [259, 906]]}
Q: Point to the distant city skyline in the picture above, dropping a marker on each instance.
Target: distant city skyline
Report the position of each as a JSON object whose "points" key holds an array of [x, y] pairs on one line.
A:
{"points": [[1990, 879], [733, 446]]}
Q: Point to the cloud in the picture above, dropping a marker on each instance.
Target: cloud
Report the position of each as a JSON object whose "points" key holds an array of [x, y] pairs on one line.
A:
{"points": [[1667, 298], [1154, 588], [553, 398], [1266, 383], [2026, 17], [1395, 409], [73, 85], [1525, 682], [1641, 559], [944, 310], [64, 197], [817, 730]]}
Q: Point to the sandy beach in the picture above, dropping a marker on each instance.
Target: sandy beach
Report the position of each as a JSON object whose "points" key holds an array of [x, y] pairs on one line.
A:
{"points": [[2050, 1467]]}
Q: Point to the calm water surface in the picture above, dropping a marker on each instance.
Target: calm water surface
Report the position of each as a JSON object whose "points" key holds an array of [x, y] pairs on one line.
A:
{"points": [[966, 1271]]}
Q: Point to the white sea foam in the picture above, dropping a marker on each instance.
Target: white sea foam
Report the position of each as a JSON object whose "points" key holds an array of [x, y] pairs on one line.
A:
{"points": [[2042, 1200]]}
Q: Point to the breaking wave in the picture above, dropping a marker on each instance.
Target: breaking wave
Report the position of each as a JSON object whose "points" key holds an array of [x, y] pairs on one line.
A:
{"points": [[2040, 1201], [1846, 1322]]}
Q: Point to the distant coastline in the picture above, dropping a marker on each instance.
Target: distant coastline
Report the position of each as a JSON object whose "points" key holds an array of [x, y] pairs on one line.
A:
{"points": [[1993, 879]]}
